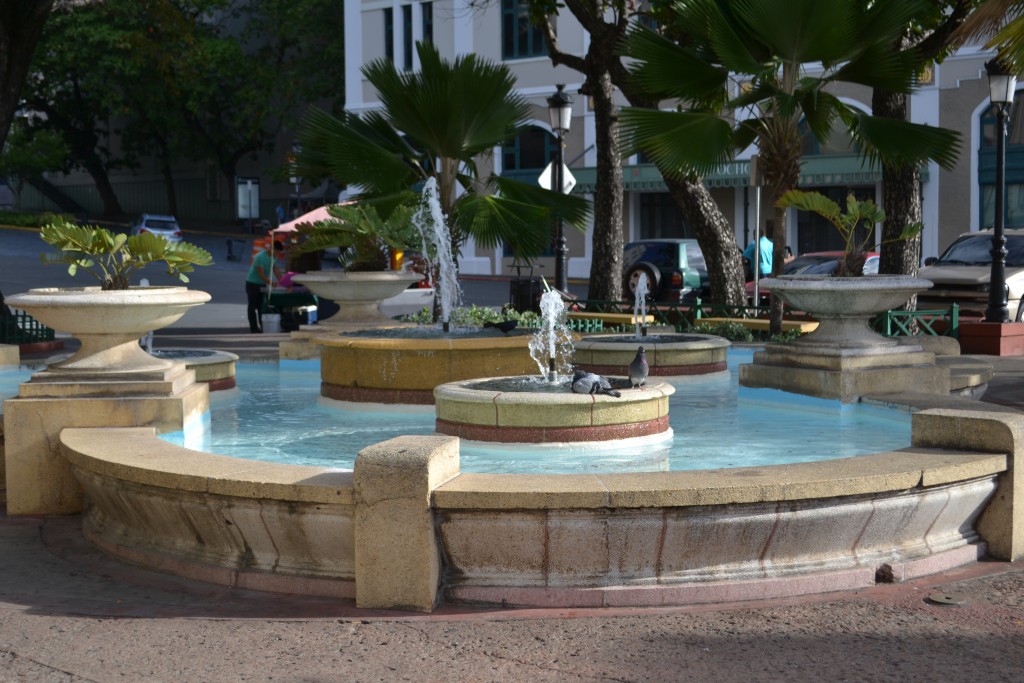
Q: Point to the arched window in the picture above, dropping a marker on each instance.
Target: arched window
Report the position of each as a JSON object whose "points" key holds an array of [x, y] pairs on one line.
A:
{"points": [[1013, 214]]}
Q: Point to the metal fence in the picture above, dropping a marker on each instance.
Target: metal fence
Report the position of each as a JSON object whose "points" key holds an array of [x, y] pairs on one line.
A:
{"points": [[21, 328]]}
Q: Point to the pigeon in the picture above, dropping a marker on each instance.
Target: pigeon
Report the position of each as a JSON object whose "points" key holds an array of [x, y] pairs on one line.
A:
{"points": [[505, 326], [638, 369], [589, 383]]}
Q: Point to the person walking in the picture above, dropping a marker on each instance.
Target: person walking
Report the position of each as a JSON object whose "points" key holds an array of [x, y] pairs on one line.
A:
{"points": [[262, 273], [759, 253]]}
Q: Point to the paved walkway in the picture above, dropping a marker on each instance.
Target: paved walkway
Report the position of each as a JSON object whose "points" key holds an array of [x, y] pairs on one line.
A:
{"points": [[70, 614]]}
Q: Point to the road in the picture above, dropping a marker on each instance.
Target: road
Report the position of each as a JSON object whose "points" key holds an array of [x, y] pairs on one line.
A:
{"points": [[21, 270]]}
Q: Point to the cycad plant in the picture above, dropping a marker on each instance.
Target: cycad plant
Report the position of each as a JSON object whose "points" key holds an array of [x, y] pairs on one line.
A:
{"points": [[439, 122], [750, 71], [113, 258]]}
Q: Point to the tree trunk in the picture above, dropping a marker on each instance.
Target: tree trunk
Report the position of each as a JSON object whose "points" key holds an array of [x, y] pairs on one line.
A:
{"points": [[716, 239], [21, 27], [901, 200], [172, 194], [606, 263]]}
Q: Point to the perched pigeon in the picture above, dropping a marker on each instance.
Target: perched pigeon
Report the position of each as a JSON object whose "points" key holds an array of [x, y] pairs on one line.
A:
{"points": [[505, 326], [638, 369], [589, 383]]}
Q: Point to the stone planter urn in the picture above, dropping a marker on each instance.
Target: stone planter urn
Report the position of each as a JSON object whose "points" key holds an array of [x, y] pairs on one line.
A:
{"points": [[109, 323], [844, 358], [844, 306], [357, 294]]}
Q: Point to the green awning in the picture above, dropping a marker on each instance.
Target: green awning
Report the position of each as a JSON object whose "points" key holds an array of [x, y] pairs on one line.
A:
{"points": [[815, 171]]}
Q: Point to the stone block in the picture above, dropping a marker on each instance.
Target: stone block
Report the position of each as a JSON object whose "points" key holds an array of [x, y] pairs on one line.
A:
{"points": [[398, 565], [39, 478], [1001, 524]]}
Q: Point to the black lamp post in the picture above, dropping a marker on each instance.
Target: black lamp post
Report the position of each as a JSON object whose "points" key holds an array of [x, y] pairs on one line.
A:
{"points": [[1002, 84], [560, 112]]}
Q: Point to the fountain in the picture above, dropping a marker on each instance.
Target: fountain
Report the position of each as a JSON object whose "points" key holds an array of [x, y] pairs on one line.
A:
{"points": [[432, 225], [403, 366], [543, 409], [668, 355], [640, 306], [551, 346]]}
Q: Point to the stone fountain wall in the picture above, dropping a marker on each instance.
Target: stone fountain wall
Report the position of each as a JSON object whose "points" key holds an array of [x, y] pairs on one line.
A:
{"points": [[407, 528]]}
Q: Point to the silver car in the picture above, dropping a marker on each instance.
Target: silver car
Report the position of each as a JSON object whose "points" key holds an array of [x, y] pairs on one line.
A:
{"points": [[165, 226], [961, 275]]}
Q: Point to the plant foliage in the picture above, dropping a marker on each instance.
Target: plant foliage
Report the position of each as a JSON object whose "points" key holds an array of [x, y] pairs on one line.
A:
{"points": [[857, 212], [360, 228], [113, 258]]}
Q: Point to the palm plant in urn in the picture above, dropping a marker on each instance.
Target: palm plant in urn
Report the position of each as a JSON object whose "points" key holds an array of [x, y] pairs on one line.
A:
{"points": [[110, 318], [843, 303]]}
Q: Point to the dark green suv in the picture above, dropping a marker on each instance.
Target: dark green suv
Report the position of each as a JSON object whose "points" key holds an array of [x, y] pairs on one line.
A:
{"points": [[675, 269]]}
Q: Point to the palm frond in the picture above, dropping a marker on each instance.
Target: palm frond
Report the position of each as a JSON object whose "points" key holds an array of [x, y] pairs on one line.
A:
{"points": [[456, 109], [896, 142], [802, 30], [352, 151], [664, 69], [678, 142]]}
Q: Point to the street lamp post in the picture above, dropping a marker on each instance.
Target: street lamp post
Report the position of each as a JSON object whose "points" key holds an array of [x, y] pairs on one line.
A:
{"points": [[1002, 86], [560, 112]]}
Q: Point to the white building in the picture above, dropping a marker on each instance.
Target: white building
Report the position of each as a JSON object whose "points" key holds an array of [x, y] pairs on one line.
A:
{"points": [[954, 96]]}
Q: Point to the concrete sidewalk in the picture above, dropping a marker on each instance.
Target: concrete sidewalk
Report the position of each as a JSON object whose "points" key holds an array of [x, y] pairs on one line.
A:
{"points": [[67, 613]]}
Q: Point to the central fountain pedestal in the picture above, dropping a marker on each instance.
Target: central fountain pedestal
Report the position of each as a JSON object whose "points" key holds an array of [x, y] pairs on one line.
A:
{"points": [[476, 411]]}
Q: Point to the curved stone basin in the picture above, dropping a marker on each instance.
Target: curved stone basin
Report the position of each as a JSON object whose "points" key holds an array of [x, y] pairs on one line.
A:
{"points": [[407, 527], [667, 354], [480, 411], [406, 370]]}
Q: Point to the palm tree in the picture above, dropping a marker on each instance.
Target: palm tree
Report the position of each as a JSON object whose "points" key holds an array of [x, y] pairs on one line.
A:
{"points": [[1001, 24], [437, 123], [785, 57]]}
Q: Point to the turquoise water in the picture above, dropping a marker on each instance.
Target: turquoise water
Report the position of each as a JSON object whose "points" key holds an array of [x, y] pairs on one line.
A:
{"points": [[277, 414]]}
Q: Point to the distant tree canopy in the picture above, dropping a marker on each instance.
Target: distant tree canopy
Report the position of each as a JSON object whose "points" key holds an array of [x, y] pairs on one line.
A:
{"points": [[201, 80]]}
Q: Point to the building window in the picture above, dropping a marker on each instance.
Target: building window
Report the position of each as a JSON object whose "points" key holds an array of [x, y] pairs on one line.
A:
{"points": [[427, 10], [660, 217], [519, 37], [1013, 211], [389, 34], [531, 150], [407, 37]]}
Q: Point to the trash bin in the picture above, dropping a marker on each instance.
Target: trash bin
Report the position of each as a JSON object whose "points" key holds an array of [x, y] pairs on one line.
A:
{"points": [[524, 294]]}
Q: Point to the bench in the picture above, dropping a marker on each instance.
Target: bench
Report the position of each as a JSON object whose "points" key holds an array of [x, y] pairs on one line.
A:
{"points": [[761, 324], [612, 319]]}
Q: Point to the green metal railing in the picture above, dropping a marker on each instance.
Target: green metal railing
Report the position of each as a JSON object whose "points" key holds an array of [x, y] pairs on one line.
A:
{"points": [[938, 322], [21, 328]]}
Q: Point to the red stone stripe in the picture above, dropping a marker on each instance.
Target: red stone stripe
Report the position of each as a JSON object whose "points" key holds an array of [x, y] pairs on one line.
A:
{"points": [[419, 397], [655, 370], [493, 433], [222, 384]]}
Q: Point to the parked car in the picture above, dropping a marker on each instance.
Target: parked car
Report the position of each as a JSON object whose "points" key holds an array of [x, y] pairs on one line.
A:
{"points": [[961, 275], [165, 226], [814, 263], [675, 269]]}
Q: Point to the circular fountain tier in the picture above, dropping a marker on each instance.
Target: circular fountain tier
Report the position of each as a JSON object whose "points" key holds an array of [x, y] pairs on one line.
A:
{"points": [[216, 368], [531, 410], [404, 369], [667, 354]]}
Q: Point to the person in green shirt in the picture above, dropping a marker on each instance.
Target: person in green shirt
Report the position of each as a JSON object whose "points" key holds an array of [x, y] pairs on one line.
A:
{"points": [[263, 273]]}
